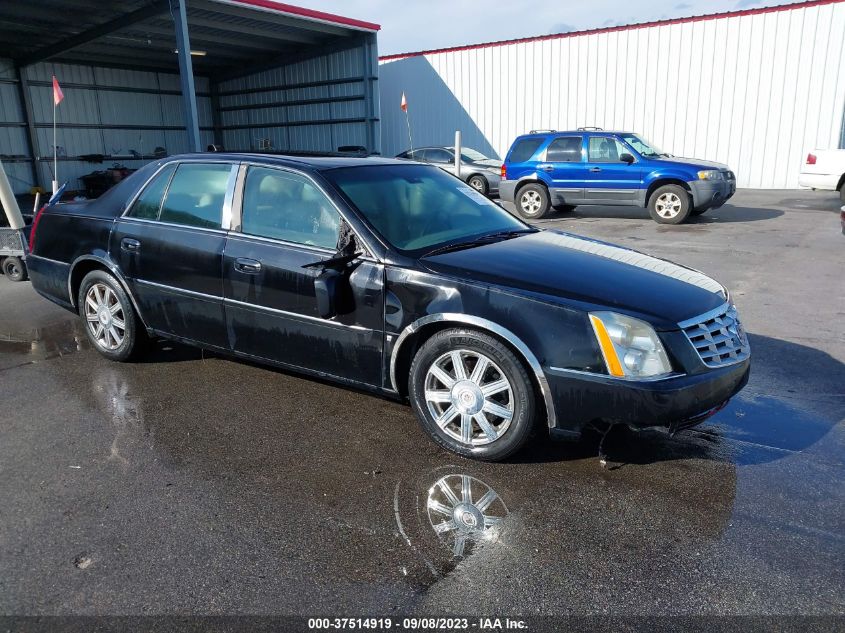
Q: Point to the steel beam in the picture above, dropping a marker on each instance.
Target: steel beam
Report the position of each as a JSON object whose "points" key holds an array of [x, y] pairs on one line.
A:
{"points": [[29, 120], [62, 46], [186, 77]]}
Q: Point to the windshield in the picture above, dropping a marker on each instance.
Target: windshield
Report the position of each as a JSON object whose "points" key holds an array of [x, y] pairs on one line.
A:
{"points": [[418, 208], [471, 156], [642, 146]]}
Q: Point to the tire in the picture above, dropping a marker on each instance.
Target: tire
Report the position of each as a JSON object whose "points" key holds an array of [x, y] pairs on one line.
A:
{"points": [[695, 212], [532, 201], [463, 409], [15, 269], [564, 208], [100, 290], [669, 204], [479, 183], [842, 194]]}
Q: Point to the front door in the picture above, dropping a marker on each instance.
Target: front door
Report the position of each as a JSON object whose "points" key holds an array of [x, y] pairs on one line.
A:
{"points": [[285, 223], [611, 180], [169, 246]]}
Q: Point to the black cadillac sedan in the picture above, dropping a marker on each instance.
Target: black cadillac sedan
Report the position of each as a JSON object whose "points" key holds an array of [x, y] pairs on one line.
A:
{"points": [[398, 278]]}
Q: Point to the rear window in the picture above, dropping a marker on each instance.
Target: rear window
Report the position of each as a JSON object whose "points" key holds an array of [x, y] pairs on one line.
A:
{"points": [[524, 149], [195, 196], [148, 204], [566, 149]]}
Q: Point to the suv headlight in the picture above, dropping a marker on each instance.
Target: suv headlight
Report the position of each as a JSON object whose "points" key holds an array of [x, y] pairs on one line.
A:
{"points": [[630, 347], [710, 174]]}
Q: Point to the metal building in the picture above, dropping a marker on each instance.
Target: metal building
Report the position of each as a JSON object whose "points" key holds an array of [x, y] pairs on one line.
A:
{"points": [[261, 75], [756, 89]]}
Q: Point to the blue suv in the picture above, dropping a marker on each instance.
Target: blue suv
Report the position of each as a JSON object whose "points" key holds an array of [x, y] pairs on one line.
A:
{"points": [[550, 169]]}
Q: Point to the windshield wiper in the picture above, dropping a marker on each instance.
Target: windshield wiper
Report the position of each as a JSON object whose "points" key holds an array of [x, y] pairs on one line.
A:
{"points": [[489, 238]]}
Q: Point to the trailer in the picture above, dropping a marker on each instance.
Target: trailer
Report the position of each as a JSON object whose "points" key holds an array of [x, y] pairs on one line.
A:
{"points": [[14, 233]]}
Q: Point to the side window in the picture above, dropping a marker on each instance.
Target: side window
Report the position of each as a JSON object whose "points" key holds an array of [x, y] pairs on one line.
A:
{"points": [[603, 149], [566, 149], [147, 205], [523, 150], [195, 196], [286, 206], [439, 156]]}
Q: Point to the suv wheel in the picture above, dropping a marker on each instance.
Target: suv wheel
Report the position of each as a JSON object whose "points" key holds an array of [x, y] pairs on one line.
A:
{"points": [[669, 204], [14, 269], [479, 183], [110, 320], [532, 202], [472, 395]]}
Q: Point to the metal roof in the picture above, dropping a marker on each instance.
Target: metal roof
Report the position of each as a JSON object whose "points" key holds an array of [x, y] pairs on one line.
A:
{"points": [[227, 35]]}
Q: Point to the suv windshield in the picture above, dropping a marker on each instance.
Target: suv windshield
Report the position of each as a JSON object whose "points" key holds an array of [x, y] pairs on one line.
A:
{"points": [[642, 146], [417, 208]]}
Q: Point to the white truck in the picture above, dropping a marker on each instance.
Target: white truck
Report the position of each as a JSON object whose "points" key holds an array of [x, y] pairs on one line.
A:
{"points": [[824, 169]]}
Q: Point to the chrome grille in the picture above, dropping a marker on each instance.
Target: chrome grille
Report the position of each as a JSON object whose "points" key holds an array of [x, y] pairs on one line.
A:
{"points": [[718, 337]]}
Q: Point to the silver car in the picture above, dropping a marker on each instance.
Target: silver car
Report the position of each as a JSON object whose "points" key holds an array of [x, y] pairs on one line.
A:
{"points": [[478, 171]]}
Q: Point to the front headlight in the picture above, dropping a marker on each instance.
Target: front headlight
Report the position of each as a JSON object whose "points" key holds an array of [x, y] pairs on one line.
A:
{"points": [[630, 347], [710, 174]]}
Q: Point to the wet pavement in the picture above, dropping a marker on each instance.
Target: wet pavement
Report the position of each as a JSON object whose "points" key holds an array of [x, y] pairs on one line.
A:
{"points": [[195, 484]]}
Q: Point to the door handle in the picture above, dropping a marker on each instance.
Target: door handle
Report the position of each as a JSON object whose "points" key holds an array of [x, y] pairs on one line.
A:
{"points": [[594, 169], [247, 266], [130, 245], [546, 167]]}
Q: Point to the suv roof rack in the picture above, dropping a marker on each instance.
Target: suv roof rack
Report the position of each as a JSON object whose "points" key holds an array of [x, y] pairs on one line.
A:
{"points": [[541, 131], [590, 128]]}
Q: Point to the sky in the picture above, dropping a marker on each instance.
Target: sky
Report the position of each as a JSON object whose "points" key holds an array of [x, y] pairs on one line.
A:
{"points": [[413, 25]]}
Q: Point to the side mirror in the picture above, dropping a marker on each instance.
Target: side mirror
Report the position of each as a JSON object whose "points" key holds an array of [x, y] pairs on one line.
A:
{"points": [[625, 157], [325, 289]]}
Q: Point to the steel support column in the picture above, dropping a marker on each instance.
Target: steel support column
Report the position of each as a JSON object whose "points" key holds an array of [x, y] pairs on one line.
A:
{"points": [[186, 77], [31, 135]]}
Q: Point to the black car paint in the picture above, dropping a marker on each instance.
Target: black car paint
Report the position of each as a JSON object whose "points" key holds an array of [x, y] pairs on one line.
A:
{"points": [[536, 293]]}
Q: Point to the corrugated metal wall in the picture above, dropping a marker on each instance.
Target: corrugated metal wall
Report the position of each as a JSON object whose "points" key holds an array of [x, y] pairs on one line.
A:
{"points": [[756, 91], [318, 104], [105, 111]]}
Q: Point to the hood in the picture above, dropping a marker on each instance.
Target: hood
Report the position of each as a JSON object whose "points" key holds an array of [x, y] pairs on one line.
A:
{"points": [[576, 269], [690, 162]]}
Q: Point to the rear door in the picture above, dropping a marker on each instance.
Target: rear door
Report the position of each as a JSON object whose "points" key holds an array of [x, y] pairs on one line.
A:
{"points": [[566, 170], [609, 179], [169, 245], [286, 222]]}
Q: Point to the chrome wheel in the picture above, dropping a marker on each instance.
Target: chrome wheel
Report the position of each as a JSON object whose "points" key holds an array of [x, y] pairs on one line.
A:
{"points": [[465, 509], [477, 183], [105, 316], [668, 205], [469, 397], [531, 202]]}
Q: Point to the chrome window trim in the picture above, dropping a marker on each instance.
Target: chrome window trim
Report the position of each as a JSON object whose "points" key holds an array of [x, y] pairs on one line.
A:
{"points": [[296, 315], [317, 250], [490, 326], [226, 215], [286, 168], [143, 187], [187, 227]]}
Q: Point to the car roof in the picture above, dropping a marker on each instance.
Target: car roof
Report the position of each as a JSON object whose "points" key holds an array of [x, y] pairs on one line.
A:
{"points": [[317, 163]]}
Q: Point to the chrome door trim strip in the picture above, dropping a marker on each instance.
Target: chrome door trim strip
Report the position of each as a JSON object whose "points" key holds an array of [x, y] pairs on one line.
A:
{"points": [[295, 315], [187, 227], [226, 217], [183, 291], [490, 326]]}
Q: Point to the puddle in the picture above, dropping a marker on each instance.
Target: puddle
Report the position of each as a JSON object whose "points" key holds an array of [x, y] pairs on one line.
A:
{"points": [[43, 343]]}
